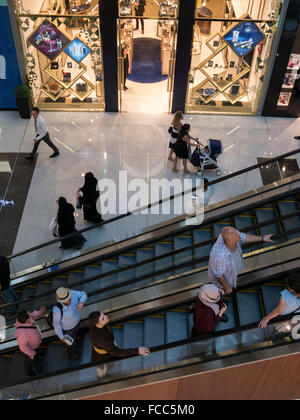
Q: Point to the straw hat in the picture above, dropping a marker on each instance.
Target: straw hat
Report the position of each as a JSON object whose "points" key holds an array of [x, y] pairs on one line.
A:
{"points": [[63, 295]]}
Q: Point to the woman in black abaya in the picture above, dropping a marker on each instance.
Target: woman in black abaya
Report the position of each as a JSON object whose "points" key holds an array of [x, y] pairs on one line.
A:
{"points": [[89, 199], [66, 225]]}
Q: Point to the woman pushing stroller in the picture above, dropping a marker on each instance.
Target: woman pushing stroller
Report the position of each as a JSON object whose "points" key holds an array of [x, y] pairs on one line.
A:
{"points": [[180, 148]]}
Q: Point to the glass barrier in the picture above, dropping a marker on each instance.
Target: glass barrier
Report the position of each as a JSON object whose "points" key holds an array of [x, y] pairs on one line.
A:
{"points": [[194, 353], [144, 218]]}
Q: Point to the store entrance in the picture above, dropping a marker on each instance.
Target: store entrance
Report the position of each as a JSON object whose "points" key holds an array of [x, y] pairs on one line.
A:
{"points": [[146, 64]]}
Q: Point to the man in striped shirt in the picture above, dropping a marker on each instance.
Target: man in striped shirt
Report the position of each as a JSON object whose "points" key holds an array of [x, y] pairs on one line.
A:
{"points": [[226, 258]]}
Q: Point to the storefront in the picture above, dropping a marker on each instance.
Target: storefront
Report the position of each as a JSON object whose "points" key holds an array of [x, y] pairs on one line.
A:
{"points": [[230, 56], [283, 96], [148, 55], [62, 53]]}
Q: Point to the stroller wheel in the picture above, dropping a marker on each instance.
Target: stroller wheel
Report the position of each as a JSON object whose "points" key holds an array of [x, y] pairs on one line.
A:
{"points": [[219, 173], [199, 173]]}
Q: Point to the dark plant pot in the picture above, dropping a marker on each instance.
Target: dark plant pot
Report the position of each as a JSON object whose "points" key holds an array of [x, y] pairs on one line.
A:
{"points": [[24, 107]]}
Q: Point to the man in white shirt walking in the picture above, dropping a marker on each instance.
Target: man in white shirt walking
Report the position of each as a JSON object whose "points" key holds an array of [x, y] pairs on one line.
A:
{"points": [[41, 134]]}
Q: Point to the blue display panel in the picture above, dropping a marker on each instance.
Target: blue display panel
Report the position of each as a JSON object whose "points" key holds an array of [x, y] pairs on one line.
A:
{"points": [[9, 69], [244, 37], [77, 50]]}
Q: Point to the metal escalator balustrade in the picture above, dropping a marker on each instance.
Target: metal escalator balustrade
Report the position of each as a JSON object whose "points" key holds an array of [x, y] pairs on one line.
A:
{"points": [[158, 331], [32, 260], [172, 256]]}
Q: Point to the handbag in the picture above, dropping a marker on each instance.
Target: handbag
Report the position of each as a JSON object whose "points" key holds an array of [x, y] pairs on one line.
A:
{"points": [[53, 226], [285, 326], [78, 204]]}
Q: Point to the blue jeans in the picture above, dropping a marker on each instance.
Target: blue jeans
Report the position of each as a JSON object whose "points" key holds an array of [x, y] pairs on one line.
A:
{"points": [[9, 296]]}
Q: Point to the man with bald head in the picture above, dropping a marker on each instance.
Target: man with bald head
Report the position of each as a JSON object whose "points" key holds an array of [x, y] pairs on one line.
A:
{"points": [[226, 258]]}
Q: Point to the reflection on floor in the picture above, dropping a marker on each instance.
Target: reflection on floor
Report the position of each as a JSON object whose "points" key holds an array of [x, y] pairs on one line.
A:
{"points": [[137, 143]]}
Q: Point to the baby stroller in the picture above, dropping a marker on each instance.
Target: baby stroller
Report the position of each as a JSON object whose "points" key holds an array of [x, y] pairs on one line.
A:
{"points": [[207, 158]]}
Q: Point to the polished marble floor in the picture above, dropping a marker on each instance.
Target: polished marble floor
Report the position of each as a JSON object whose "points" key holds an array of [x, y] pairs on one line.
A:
{"points": [[137, 143]]}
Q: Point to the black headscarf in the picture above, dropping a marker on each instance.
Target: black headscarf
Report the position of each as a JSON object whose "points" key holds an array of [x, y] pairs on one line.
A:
{"points": [[66, 219], [89, 189]]}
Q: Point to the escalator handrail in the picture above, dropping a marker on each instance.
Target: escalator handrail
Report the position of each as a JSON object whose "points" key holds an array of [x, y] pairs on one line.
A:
{"points": [[155, 349], [225, 178], [178, 231], [157, 258]]}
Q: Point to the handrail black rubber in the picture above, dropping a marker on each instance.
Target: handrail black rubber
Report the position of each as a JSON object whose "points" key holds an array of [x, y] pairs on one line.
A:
{"points": [[225, 178]]}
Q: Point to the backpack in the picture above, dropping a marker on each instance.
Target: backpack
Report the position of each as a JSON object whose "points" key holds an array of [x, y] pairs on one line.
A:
{"points": [[50, 316]]}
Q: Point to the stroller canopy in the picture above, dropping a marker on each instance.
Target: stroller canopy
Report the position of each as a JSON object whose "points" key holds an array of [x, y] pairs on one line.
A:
{"points": [[215, 148]]}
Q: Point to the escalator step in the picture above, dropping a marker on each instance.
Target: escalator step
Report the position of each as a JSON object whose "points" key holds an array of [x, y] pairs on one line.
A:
{"points": [[250, 312], [125, 261], [154, 335], [106, 267], [271, 296], [203, 251], [133, 337], [5, 369], [75, 277], [86, 349], [144, 255], [92, 271], [249, 307], [264, 215], [59, 282], [182, 257], [28, 292], [191, 323], [155, 331], [229, 342], [162, 248], [57, 358], [176, 329], [288, 207], [118, 333], [44, 301], [17, 372]]}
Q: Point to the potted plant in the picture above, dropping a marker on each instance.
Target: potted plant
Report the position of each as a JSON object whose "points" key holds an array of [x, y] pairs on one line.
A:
{"points": [[23, 97]]}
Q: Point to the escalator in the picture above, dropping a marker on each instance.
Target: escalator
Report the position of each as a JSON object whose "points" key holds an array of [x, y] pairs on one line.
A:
{"points": [[166, 331], [177, 249], [149, 270]]}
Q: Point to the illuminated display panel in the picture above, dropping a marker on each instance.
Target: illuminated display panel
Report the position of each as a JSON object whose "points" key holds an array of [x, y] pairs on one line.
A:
{"points": [[49, 40]]}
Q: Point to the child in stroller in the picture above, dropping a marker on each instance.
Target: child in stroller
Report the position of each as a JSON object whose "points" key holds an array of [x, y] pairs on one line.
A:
{"points": [[207, 158]]}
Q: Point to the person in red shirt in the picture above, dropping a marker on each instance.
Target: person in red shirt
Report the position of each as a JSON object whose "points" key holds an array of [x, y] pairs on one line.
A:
{"points": [[209, 311]]}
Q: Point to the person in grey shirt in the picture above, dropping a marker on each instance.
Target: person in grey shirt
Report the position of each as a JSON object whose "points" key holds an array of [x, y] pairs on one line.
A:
{"points": [[41, 134]]}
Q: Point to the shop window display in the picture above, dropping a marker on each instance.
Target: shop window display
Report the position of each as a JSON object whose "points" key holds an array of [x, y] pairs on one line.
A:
{"points": [[150, 8], [62, 54], [230, 57]]}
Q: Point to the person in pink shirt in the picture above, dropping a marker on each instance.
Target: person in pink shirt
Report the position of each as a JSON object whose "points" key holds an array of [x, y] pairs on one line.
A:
{"points": [[29, 338]]}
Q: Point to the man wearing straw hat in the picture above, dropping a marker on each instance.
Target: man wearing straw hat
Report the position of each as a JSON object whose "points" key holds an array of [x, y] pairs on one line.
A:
{"points": [[66, 318]]}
